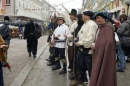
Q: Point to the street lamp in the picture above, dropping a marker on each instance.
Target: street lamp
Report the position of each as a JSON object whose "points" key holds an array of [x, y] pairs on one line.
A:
{"points": [[127, 2]]}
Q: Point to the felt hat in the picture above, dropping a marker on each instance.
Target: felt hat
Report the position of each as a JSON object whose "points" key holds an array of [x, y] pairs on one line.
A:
{"points": [[73, 12], [102, 14], [88, 13]]}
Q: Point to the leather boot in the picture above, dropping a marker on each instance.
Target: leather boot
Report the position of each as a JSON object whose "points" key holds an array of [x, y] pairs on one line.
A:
{"points": [[64, 69], [57, 65], [50, 63], [78, 79], [71, 77]]}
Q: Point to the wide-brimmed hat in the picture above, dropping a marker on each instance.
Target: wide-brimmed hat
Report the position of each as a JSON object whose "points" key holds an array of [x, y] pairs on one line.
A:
{"points": [[73, 12], [102, 14], [60, 17]]}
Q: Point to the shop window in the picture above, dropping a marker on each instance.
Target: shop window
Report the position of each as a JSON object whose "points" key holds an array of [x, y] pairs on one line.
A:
{"points": [[7, 2]]}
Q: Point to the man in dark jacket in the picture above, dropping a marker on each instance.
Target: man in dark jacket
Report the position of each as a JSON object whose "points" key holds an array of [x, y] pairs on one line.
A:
{"points": [[6, 32], [31, 40], [123, 31]]}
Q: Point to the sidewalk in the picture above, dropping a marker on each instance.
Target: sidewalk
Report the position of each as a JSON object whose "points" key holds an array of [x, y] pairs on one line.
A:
{"points": [[18, 58]]}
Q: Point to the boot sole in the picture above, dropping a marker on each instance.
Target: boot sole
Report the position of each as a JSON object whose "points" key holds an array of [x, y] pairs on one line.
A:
{"points": [[63, 73], [56, 68]]}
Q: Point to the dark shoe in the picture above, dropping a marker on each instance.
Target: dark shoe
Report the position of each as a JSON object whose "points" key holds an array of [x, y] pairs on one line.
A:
{"points": [[71, 77], [29, 54], [50, 63], [34, 56], [48, 60], [118, 70], [4, 65], [62, 71], [85, 80], [56, 67]]}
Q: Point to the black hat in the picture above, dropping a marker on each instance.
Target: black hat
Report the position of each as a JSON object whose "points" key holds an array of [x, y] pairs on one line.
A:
{"points": [[6, 18], [88, 13], [102, 14], [73, 12]]}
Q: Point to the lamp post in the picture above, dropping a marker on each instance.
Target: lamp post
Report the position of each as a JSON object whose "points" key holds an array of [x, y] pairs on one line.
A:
{"points": [[127, 2]]}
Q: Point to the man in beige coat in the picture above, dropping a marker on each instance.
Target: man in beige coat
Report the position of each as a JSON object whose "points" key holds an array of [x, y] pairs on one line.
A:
{"points": [[86, 37]]}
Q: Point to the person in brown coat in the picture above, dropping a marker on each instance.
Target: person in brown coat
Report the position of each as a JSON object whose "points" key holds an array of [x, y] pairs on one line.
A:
{"points": [[104, 67]]}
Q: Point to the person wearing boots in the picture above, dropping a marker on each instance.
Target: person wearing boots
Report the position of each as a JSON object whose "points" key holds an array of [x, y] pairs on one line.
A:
{"points": [[59, 39], [85, 38], [76, 49], [52, 27], [73, 16], [32, 42]]}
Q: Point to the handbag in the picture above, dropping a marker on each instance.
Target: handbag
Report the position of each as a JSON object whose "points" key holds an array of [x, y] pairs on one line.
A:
{"points": [[37, 32]]}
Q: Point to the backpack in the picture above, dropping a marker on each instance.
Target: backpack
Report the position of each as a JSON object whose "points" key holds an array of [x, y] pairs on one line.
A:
{"points": [[126, 39], [37, 32], [5, 32]]}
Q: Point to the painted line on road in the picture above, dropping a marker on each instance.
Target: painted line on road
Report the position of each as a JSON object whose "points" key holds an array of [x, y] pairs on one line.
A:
{"points": [[20, 78]]}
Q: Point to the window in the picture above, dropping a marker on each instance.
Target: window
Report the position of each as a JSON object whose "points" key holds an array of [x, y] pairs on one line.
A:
{"points": [[7, 3]]}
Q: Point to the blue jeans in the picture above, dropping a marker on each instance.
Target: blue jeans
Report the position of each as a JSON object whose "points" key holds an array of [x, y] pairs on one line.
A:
{"points": [[121, 56], [1, 76]]}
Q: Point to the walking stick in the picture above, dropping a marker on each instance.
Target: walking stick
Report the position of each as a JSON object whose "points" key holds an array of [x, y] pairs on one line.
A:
{"points": [[74, 58]]}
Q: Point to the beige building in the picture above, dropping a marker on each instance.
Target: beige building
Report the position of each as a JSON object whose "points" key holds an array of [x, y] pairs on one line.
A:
{"points": [[39, 10]]}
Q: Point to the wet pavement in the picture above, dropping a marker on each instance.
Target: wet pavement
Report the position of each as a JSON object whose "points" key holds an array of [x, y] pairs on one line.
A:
{"points": [[18, 58], [41, 74]]}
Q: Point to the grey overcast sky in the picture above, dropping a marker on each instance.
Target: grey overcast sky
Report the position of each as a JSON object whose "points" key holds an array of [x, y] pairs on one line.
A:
{"points": [[70, 4]]}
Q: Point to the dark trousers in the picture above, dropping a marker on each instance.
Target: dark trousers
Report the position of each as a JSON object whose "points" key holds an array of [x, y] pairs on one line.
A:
{"points": [[52, 50], [32, 45], [1, 76], [52, 54], [60, 52], [70, 53], [84, 61]]}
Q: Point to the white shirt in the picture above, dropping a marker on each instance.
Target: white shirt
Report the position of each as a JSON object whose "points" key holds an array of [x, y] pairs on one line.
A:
{"points": [[87, 33], [62, 29]]}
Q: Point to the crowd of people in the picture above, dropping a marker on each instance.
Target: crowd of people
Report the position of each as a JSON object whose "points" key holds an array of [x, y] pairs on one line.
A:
{"points": [[90, 44]]}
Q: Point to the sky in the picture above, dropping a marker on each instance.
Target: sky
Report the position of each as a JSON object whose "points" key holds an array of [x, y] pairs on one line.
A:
{"points": [[69, 4]]}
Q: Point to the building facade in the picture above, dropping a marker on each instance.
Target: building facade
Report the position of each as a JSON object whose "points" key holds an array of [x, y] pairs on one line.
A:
{"points": [[39, 10], [117, 7], [2, 8]]}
